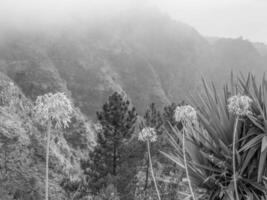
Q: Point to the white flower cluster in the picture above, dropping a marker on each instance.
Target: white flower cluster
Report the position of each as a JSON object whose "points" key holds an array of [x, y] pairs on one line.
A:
{"points": [[239, 105], [55, 107], [149, 134], [186, 114]]}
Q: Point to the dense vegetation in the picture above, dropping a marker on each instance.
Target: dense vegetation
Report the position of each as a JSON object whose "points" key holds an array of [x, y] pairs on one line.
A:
{"points": [[211, 147], [224, 156], [115, 140]]}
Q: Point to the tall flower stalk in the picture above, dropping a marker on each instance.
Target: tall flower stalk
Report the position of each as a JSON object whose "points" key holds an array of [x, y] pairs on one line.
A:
{"points": [[187, 115], [149, 135], [186, 168], [239, 106], [233, 157], [47, 160], [52, 109]]}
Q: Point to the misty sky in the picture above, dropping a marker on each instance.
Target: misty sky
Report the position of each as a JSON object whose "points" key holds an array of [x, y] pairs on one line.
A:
{"points": [[225, 18]]}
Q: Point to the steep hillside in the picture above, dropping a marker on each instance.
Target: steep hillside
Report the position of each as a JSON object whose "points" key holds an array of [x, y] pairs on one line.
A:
{"points": [[22, 149], [238, 55], [143, 54]]}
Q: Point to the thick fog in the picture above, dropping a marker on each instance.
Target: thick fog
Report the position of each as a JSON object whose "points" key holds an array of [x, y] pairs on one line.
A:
{"points": [[224, 18], [42, 13]]}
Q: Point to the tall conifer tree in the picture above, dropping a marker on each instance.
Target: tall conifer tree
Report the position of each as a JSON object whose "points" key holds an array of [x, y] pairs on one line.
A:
{"points": [[117, 119]]}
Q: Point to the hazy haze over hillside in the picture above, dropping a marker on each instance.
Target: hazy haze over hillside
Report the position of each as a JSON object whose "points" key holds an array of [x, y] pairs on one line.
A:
{"points": [[153, 53], [130, 46], [228, 18]]}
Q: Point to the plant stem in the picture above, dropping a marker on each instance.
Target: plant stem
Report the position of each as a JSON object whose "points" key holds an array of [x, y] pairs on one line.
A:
{"points": [[234, 163], [47, 160], [152, 171], [186, 168], [147, 171]]}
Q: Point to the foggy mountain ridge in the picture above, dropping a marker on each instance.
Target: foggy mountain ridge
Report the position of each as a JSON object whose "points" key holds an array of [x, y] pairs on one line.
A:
{"points": [[146, 55]]}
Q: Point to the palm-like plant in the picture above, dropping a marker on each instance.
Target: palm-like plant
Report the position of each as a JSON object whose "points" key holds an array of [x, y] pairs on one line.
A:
{"points": [[210, 153], [52, 109], [257, 140]]}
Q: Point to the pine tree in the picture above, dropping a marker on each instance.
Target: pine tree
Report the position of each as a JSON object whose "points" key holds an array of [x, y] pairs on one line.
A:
{"points": [[153, 117], [168, 113], [117, 119]]}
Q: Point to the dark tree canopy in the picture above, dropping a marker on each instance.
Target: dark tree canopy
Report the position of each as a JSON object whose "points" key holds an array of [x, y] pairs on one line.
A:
{"points": [[153, 117], [117, 118]]}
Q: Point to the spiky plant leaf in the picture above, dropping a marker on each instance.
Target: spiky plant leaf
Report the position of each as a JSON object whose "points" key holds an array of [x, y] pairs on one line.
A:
{"points": [[213, 168]]}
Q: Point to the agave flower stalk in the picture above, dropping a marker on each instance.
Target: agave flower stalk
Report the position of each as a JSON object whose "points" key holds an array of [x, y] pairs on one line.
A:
{"points": [[149, 135], [52, 108], [234, 157], [47, 159], [187, 115], [186, 168], [239, 106], [152, 171]]}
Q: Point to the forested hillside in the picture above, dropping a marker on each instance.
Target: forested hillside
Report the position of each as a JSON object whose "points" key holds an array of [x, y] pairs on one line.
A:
{"points": [[150, 63], [144, 54]]}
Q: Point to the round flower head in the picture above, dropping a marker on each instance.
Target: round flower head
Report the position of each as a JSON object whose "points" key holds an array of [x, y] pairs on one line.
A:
{"points": [[186, 114], [55, 107], [149, 134], [239, 105]]}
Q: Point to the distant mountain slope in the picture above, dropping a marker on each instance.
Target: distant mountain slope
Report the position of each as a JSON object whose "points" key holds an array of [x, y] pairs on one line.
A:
{"points": [[143, 54]]}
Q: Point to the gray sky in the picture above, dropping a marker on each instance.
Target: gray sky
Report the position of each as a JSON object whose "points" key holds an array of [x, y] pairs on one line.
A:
{"points": [[225, 18]]}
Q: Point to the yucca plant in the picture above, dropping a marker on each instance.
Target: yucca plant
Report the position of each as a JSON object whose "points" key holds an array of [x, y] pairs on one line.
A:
{"points": [[226, 167], [257, 140]]}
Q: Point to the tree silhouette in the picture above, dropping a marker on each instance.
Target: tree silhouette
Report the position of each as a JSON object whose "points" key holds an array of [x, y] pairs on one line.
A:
{"points": [[117, 119]]}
